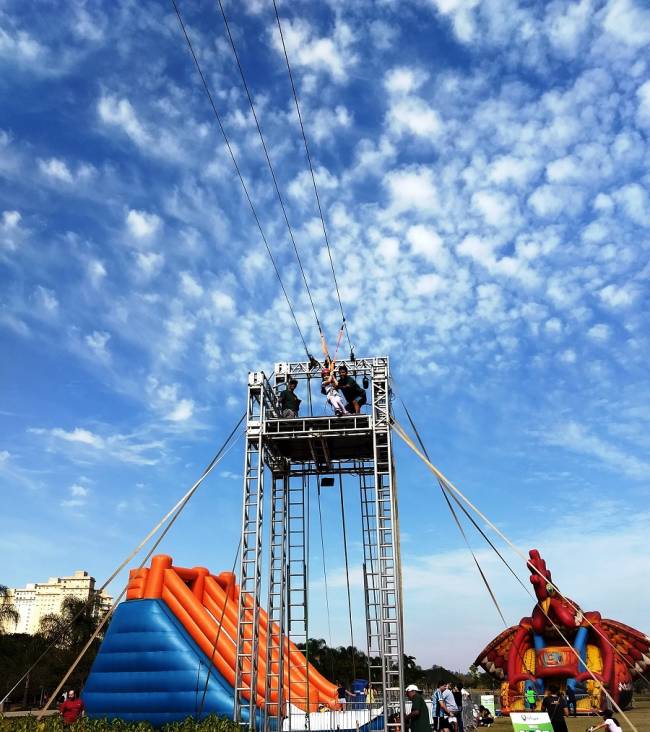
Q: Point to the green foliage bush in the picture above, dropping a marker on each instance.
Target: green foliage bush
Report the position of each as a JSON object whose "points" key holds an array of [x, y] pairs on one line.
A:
{"points": [[54, 723]]}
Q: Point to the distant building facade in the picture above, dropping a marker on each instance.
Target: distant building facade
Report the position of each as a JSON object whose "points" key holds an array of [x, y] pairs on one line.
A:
{"points": [[38, 599]]}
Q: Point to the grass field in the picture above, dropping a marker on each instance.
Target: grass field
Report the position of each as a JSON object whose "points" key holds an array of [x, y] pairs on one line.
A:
{"points": [[639, 716]]}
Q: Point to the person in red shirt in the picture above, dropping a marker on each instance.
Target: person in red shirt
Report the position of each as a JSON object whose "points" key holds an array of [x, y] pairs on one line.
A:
{"points": [[71, 709]]}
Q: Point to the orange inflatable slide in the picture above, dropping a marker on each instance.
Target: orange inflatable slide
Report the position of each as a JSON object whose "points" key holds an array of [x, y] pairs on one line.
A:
{"points": [[200, 601]]}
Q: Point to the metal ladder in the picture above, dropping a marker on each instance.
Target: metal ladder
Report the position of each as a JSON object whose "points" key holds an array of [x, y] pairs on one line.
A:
{"points": [[371, 580], [298, 581], [388, 578], [275, 657], [250, 562]]}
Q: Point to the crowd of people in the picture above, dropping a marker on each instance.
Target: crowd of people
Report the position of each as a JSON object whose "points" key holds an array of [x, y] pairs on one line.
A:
{"points": [[341, 391], [451, 710]]}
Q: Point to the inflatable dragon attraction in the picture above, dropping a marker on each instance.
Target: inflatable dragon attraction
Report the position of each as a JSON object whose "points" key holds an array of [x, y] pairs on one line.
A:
{"points": [[533, 654]]}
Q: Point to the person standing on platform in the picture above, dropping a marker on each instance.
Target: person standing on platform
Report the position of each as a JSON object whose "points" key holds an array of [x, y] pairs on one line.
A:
{"points": [[342, 695], [71, 709], [289, 402], [418, 718], [354, 395]]}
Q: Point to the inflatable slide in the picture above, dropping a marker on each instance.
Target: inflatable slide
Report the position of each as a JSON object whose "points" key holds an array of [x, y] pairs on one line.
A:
{"points": [[160, 650]]}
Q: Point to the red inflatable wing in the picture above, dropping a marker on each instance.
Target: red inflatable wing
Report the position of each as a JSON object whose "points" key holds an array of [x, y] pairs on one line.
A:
{"points": [[494, 657], [631, 643]]}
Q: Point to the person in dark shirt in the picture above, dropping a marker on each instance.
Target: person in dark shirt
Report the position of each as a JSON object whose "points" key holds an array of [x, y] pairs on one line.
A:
{"points": [[556, 708], [354, 395], [418, 718], [457, 691], [289, 402], [571, 700], [71, 709]]}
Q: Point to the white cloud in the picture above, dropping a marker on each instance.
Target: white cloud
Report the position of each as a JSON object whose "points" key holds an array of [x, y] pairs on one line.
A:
{"points": [[182, 411], [164, 398], [78, 490], [568, 356], [97, 341], [56, 169], [223, 303], [461, 14], [20, 47], [142, 224], [426, 243], [509, 169], [496, 208], [119, 113], [149, 263], [4, 456], [412, 189], [404, 80], [599, 332], [190, 286], [618, 297], [574, 436], [11, 234], [96, 272], [46, 300], [327, 123], [643, 112], [627, 22], [413, 115], [634, 201], [333, 54], [83, 444]]}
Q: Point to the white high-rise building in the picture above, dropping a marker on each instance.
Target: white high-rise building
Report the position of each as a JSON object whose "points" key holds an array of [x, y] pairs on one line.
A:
{"points": [[42, 598]]}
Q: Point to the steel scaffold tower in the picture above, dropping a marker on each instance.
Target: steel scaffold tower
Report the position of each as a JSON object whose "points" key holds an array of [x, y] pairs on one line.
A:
{"points": [[292, 450]]}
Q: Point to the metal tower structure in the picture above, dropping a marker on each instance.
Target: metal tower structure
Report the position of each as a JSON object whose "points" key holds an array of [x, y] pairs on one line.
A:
{"points": [[291, 453]]}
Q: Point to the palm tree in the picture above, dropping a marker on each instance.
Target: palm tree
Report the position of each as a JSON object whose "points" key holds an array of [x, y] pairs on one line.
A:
{"points": [[73, 625], [9, 616]]}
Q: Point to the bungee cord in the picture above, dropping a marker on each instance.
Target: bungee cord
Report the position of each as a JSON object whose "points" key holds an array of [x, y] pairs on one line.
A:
{"points": [[239, 173], [313, 177], [269, 163]]}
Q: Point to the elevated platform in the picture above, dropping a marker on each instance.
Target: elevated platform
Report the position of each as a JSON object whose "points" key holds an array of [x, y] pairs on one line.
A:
{"points": [[321, 439]]}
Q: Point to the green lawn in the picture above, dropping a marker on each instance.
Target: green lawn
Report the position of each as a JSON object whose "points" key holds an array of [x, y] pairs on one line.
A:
{"points": [[639, 716]]}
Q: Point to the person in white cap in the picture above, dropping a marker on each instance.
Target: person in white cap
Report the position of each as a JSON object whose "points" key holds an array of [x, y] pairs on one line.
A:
{"points": [[418, 718]]}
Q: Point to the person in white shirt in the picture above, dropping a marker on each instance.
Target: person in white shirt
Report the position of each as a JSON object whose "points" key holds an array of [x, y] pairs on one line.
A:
{"points": [[609, 723], [450, 705]]}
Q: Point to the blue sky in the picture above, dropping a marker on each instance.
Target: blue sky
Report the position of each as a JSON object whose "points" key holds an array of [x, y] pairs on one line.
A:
{"points": [[483, 168]]}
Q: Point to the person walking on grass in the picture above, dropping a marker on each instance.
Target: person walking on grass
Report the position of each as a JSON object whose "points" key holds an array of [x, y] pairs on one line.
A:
{"points": [[418, 717]]}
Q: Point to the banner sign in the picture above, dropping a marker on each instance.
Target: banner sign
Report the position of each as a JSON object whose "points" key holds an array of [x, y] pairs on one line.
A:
{"points": [[530, 722], [487, 700]]}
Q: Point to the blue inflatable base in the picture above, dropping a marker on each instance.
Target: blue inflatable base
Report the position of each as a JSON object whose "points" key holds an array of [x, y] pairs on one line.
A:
{"points": [[149, 669]]}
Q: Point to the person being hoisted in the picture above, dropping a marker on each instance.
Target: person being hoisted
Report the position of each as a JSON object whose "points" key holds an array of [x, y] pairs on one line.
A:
{"points": [[354, 395], [289, 402], [329, 387]]}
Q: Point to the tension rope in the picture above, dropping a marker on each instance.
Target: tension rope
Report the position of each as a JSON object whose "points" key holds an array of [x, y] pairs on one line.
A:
{"points": [[172, 515], [463, 534], [231, 582], [450, 486]]}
